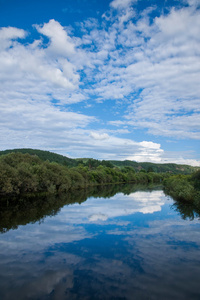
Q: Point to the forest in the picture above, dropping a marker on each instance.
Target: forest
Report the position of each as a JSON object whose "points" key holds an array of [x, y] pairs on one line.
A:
{"points": [[29, 171], [70, 162], [23, 173]]}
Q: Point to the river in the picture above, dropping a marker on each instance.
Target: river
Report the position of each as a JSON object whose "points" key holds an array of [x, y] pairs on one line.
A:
{"points": [[114, 243]]}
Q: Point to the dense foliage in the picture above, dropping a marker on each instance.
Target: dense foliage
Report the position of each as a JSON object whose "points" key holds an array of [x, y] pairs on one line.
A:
{"points": [[184, 187], [45, 155], [42, 171], [24, 173], [63, 160]]}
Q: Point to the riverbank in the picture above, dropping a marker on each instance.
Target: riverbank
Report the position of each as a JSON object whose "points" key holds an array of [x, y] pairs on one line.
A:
{"points": [[24, 174], [184, 188]]}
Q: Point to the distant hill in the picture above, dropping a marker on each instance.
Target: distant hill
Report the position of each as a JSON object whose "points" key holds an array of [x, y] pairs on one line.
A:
{"points": [[146, 166], [45, 155], [158, 168]]}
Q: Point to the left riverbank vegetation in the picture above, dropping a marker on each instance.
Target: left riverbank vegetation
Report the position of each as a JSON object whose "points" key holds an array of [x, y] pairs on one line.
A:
{"points": [[29, 171], [22, 173]]}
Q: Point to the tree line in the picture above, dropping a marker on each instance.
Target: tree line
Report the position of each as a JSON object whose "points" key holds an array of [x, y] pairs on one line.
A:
{"points": [[22, 173], [70, 162]]}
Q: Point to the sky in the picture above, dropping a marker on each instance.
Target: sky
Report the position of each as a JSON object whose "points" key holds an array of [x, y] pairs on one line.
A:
{"points": [[116, 79]]}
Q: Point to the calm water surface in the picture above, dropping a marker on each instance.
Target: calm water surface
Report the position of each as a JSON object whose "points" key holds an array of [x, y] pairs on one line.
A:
{"points": [[137, 245]]}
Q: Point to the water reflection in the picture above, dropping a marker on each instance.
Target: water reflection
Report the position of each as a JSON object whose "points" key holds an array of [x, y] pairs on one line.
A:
{"points": [[186, 210], [126, 246], [98, 210], [33, 209]]}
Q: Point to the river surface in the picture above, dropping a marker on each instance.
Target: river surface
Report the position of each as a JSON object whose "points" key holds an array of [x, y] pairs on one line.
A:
{"points": [[125, 244]]}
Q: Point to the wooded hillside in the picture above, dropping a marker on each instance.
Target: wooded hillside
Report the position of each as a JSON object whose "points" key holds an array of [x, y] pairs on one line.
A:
{"points": [[90, 162]]}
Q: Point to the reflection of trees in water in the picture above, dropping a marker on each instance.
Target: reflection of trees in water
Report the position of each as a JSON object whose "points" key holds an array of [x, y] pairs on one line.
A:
{"points": [[186, 211], [32, 209]]}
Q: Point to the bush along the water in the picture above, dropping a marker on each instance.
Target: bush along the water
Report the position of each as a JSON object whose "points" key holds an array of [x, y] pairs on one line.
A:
{"points": [[24, 173], [184, 187]]}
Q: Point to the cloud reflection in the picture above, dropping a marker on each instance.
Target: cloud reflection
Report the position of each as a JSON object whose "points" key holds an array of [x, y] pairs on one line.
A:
{"points": [[101, 209], [69, 225]]}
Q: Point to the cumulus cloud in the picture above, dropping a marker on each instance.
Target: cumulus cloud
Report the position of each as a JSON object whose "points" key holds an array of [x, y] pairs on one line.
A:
{"points": [[113, 147], [8, 35], [60, 41], [36, 70], [149, 151], [150, 65]]}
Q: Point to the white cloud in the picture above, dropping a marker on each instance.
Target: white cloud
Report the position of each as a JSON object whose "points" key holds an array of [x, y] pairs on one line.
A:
{"points": [[8, 34], [119, 4], [181, 157], [111, 147], [36, 70], [150, 145], [99, 136], [38, 124], [148, 152], [184, 161], [61, 43]]}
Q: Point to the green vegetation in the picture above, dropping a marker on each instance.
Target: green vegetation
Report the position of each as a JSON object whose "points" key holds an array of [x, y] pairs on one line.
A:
{"points": [[27, 174], [45, 155], [184, 188], [28, 171], [146, 166], [158, 168]]}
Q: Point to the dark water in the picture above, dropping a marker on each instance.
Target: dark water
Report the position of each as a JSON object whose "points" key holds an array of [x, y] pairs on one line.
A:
{"points": [[135, 244]]}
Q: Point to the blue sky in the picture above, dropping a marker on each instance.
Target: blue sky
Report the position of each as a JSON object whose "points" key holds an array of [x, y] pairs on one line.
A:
{"points": [[104, 79]]}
